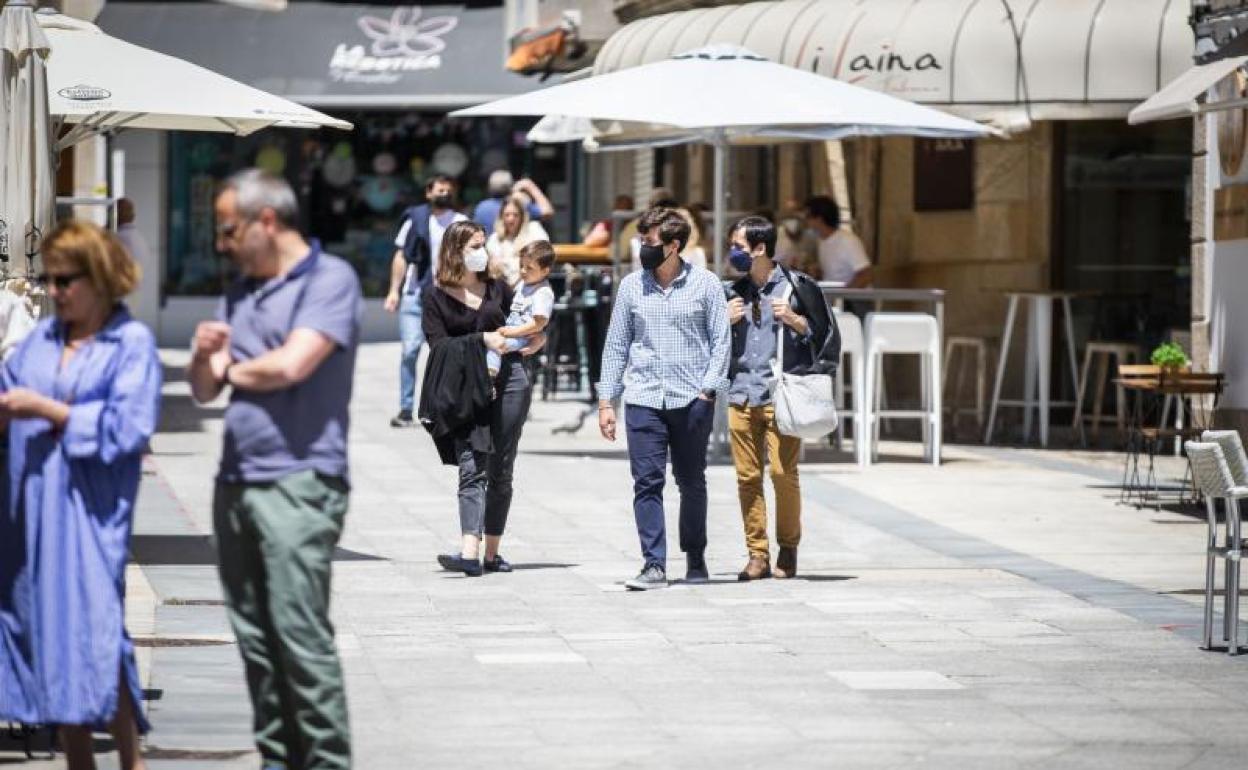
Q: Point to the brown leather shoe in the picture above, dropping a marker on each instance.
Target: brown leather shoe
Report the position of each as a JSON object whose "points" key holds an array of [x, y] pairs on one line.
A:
{"points": [[786, 563], [756, 569]]}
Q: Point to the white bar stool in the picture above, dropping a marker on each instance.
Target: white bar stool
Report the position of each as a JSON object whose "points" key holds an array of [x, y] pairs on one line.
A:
{"points": [[913, 333], [852, 346]]}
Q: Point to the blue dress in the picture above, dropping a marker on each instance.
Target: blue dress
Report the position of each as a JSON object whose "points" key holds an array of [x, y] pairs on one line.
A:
{"points": [[65, 523]]}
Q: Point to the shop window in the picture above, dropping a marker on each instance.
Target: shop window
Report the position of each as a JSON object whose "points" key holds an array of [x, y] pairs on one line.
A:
{"points": [[352, 186], [1123, 225]]}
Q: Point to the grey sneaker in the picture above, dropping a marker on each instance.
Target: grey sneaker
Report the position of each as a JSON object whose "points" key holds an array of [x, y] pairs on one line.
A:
{"points": [[651, 577], [696, 571]]}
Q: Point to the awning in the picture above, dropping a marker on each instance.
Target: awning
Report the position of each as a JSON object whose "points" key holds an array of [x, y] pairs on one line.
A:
{"points": [[1041, 59], [1185, 95], [1181, 98], [340, 55]]}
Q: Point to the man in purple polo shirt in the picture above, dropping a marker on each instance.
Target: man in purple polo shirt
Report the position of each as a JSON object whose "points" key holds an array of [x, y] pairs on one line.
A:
{"points": [[284, 341]]}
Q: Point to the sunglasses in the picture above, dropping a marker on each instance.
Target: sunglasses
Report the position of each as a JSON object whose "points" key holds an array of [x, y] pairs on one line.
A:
{"points": [[61, 281]]}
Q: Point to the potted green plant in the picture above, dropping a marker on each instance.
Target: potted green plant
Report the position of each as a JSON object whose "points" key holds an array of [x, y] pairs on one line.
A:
{"points": [[1170, 357]]}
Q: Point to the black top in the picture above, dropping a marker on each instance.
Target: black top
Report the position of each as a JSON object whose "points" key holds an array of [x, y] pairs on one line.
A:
{"points": [[444, 316]]}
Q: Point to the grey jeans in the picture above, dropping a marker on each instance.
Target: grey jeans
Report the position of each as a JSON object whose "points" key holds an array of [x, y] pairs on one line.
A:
{"points": [[485, 479]]}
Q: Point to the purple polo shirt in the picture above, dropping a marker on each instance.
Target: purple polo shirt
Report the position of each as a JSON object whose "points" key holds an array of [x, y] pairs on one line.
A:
{"points": [[272, 435]]}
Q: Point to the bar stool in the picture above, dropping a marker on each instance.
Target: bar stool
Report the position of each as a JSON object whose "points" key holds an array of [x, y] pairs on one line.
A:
{"points": [[561, 364], [1039, 358], [975, 351], [1125, 353], [913, 333], [852, 346], [1213, 478]]}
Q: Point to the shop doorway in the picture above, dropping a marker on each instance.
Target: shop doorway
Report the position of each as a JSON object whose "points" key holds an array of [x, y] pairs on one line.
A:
{"points": [[1123, 226]]}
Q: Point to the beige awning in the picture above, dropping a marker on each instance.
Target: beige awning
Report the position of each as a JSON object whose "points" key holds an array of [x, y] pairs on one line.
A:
{"points": [[1004, 61], [1182, 97]]}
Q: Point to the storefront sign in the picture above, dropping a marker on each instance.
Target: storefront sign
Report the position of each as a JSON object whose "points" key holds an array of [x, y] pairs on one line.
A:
{"points": [[1229, 140], [944, 174], [333, 55], [892, 71], [402, 42], [889, 62]]}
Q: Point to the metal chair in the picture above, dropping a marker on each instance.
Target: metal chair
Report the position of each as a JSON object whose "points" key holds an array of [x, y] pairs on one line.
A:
{"points": [[1232, 450], [1213, 478]]}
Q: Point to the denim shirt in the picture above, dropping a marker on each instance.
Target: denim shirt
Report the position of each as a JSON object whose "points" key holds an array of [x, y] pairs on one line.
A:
{"points": [[751, 385]]}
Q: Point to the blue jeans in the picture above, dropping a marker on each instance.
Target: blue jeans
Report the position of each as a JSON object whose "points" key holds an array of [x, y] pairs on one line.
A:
{"points": [[412, 335], [651, 434], [493, 361]]}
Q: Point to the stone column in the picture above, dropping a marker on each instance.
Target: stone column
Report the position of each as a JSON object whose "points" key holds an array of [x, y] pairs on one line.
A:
{"points": [[1202, 200]]}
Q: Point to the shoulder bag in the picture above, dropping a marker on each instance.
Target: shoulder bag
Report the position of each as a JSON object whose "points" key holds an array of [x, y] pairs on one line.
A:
{"points": [[804, 404]]}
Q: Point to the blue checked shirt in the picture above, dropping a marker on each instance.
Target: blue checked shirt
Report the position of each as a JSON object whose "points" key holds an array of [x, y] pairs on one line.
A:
{"points": [[665, 346]]}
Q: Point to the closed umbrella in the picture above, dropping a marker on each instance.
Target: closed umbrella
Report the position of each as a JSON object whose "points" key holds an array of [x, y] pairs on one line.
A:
{"points": [[27, 191], [724, 95]]}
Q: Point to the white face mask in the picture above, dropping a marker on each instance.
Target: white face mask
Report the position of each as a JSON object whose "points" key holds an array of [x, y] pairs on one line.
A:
{"points": [[476, 260]]}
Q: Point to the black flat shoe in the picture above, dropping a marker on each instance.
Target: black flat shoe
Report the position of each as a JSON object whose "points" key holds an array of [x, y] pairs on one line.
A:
{"points": [[456, 563], [497, 564]]}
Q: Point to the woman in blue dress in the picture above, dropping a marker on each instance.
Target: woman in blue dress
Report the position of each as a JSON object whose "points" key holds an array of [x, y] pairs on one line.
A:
{"points": [[81, 397]]}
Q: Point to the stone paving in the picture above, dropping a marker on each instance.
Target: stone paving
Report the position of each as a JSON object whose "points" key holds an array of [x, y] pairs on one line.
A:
{"points": [[1000, 611]]}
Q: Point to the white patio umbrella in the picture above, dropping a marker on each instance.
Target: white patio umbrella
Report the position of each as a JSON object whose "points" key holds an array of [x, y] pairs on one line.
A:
{"points": [[101, 83], [724, 95], [26, 184]]}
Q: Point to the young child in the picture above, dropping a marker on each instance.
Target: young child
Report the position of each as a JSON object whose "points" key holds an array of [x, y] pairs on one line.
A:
{"points": [[533, 303]]}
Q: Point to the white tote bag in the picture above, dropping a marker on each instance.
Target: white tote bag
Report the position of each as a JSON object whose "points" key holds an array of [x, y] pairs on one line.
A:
{"points": [[804, 404]]}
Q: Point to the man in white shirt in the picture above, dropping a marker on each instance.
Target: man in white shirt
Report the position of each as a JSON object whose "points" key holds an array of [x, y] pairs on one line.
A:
{"points": [[414, 265], [842, 258], [797, 248]]}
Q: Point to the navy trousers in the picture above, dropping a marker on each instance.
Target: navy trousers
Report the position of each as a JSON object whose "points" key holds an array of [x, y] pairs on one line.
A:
{"points": [[652, 434]]}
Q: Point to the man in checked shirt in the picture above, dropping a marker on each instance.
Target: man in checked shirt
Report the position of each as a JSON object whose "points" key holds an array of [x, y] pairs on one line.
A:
{"points": [[667, 354]]}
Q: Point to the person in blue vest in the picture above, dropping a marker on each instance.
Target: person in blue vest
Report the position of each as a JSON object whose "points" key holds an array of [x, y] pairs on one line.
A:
{"points": [[413, 266]]}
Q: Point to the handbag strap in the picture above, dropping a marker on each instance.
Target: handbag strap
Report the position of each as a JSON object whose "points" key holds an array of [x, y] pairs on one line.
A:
{"points": [[784, 297], [777, 366], [790, 290]]}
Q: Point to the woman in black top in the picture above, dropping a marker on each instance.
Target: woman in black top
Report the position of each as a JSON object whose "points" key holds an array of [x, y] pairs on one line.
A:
{"points": [[463, 300]]}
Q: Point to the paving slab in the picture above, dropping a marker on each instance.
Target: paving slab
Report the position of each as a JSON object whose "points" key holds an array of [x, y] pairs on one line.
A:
{"points": [[1001, 611]]}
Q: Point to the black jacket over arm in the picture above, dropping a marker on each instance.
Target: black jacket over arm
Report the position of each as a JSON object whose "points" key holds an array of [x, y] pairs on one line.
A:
{"points": [[455, 397], [822, 355]]}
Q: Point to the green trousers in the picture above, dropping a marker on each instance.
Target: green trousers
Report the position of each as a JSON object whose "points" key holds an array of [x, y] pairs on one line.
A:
{"points": [[275, 542]]}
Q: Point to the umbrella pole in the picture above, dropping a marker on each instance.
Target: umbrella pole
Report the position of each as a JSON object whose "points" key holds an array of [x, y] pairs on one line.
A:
{"points": [[720, 162]]}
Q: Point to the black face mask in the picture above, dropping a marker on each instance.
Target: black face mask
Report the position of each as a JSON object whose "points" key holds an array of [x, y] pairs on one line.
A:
{"points": [[651, 256], [442, 201]]}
